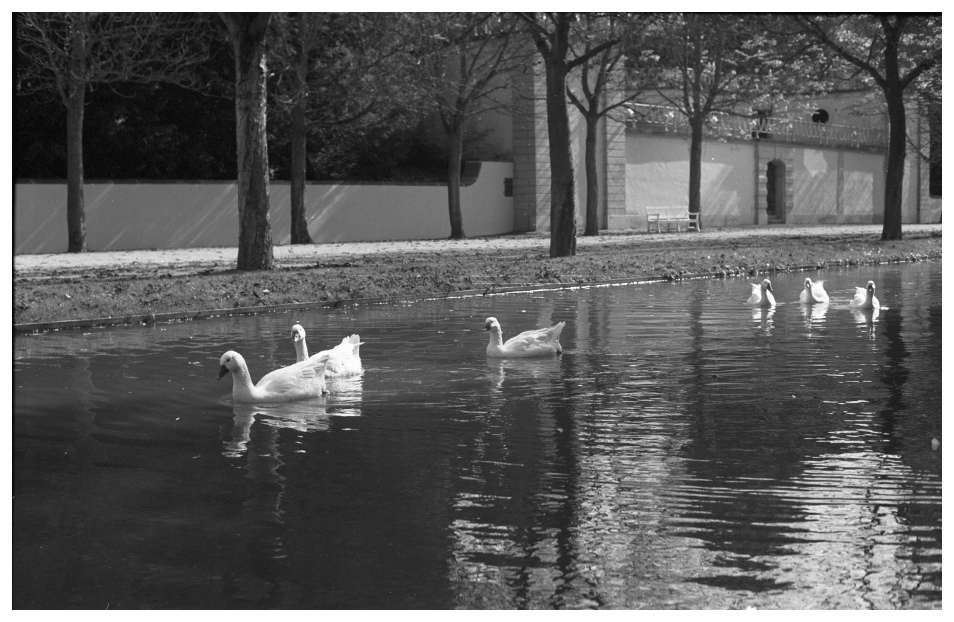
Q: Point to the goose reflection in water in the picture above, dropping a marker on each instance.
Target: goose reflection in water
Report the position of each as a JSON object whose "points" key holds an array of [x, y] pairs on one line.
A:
{"points": [[814, 313], [312, 415], [532, 368], [307, 416], [867, 318], [763, 317]]}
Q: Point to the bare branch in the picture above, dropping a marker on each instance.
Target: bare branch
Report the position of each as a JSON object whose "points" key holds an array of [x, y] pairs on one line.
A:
{"points": [[118, 47]]}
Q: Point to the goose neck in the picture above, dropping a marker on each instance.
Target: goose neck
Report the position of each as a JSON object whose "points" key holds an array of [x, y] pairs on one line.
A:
{"points": [[242, 382]]}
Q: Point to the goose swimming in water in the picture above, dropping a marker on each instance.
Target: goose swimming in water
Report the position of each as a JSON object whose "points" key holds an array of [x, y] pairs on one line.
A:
{"points": [[343, 360], [539, 342], [761, 295], [814, 292], [300, 381], [865, 298]]}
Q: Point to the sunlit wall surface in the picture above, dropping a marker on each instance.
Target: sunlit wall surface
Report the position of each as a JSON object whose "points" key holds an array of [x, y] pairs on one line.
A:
{"points": [[129, 216]]}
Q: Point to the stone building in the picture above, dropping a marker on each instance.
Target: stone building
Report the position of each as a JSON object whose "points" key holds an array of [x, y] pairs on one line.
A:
{"points": [[816, 161]]}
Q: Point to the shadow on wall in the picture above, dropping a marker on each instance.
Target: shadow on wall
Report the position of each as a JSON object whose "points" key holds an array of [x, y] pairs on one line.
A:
{"points": [[837, 188], [657, 173], [133, 216]]}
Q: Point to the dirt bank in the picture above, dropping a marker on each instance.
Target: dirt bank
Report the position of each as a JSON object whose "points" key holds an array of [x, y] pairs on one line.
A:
{"points": [[96, 288]]}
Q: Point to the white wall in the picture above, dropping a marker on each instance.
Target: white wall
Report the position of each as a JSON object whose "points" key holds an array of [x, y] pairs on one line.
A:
{"points": [[837, 187], [657, 174], [862, 190], [829, 185], [129, 216], [930, 206]]}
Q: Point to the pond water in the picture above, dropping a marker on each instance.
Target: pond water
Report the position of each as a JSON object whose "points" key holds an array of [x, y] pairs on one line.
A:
{"points": [[684, 452]]}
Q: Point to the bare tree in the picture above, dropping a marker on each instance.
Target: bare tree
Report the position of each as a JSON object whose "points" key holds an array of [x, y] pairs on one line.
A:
{"points": [[467, 60], [247, 32], [69, 53], [601, 88], [726, 63], [551, 35], [708, 54], [895, 50], [333, 69]]}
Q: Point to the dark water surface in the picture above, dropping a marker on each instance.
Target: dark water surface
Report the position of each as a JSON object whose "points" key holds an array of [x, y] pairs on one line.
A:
{"points": [[684, 452]]}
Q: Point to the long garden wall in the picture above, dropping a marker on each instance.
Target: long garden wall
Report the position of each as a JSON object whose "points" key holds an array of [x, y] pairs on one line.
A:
{"points": [[657, 175], [130, 216], [819, 185]]}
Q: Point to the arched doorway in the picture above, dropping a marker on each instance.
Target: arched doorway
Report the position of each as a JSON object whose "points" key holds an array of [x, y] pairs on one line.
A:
{"points": [[775, 192]]}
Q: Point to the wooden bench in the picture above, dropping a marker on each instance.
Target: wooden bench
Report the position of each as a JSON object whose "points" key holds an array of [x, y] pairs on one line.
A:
{"points": [[655, 216]]}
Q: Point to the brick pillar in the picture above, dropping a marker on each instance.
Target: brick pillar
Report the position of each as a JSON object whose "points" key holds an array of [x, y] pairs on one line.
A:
{"points": [[614, 178], [789, 162], [531, 158], [761, 213]]}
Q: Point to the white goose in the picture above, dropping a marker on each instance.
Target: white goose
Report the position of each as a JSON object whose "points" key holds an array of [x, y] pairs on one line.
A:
{"points": [[300, 381], [865, 298], [814, 292], [343, 360], [761, 295], [539, 342]]}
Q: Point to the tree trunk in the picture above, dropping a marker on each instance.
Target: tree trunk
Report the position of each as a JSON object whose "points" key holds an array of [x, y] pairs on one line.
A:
{"points": [[695, 169], [592, 187], [894, 177], [255, 234], [75, 105], [453, 179], [897, 137], [299, 138], [562, 188]]}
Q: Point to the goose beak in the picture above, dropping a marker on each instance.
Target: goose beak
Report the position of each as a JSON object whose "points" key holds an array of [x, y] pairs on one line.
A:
{"points": [[222, 371]]}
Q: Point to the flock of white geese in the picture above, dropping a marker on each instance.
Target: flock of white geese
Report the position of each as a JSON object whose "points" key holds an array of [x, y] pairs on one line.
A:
{"points": [[306, 377], [814, 292]]}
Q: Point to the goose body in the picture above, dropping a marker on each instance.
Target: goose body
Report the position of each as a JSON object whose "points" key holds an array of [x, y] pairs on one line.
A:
{"points": [[343, 360], [761, 295], [539, 342], [300, 381], [865, 298], [814, 292]]}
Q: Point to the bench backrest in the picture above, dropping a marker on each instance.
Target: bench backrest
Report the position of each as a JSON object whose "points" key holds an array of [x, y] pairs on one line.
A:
{"points": [[669, 212]]}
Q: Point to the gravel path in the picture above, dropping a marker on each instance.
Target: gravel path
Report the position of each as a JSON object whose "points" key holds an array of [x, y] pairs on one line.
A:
{"points": [[191, 259]]}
